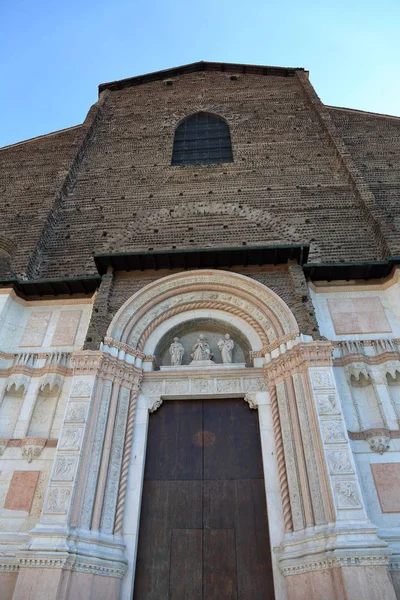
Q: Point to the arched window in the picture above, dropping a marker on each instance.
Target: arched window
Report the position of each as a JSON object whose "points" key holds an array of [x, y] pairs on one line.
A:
{"points": [[202, 138]]}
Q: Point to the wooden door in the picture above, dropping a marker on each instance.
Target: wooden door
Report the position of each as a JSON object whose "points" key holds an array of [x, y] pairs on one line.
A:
{"points": [[203, 527]]}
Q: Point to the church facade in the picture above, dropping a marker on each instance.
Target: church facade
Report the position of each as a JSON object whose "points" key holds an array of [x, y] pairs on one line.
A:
{"points": [[200, 346]]}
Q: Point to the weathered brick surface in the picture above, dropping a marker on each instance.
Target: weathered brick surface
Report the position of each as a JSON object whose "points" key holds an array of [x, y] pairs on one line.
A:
{"points": [[30, 173], [374, 143], [109, 184]]}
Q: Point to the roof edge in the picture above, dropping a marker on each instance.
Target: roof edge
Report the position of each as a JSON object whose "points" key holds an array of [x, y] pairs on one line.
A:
{"points": [[200, 66], [363, 112]]}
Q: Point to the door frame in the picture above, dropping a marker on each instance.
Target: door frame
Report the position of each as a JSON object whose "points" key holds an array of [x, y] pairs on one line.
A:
{"points": [[213, 383]]}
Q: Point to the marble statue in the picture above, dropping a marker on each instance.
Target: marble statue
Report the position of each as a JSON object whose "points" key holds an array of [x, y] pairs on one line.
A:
{"points": [[176, 351], [226, 346], [201, 349]]}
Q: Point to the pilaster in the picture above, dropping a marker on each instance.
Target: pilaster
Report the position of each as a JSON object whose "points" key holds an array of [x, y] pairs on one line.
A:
{"points": [[74, 539], [333, 544]]}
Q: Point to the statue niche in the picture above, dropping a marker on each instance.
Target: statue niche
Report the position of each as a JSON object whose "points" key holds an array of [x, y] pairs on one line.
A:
{"points": [[203, 343]]}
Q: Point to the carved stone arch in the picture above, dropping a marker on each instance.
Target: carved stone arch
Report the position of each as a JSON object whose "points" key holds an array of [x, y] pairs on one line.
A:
{"points": [[228, 292]]}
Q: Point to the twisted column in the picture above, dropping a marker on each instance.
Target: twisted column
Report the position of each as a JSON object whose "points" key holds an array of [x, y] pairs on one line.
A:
{"points": [[280, 456], [123, 481]]}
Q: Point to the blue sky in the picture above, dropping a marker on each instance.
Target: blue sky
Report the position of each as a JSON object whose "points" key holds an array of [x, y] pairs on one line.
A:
{"points": [[55, 53]]}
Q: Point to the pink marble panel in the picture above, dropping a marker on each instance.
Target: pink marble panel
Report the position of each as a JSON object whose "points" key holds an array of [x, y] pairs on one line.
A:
{"points": [[387, 483], [22, 490], [358, 315], [35, 329], [7, 585], [66, 328]]}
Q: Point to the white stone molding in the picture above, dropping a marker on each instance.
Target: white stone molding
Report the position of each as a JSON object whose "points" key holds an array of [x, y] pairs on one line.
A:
{"points": [[158, 385], [8, 567], [333, 560]]}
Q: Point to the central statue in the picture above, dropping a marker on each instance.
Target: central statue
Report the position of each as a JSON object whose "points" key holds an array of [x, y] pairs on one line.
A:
{"points": [[201, 350]]}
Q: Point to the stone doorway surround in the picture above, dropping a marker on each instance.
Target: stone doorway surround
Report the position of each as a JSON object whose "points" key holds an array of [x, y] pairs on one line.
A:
{"points": [[320, 534]]}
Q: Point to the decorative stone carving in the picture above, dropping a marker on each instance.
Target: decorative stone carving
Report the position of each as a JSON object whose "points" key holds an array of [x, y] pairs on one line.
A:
{"points": [[58, 500], [177, 387], [339, 462], [154, 404], [226, 347], [200, 386], [71, 438], [254, 385], [81, 389], [379, 443], [333, 432], [347, 495], [64, 469], [201, 352], [52, 380], [76, 412], [327, 404], [228, 385], [322, 379], [250, 398], [233, 292], [114, 470], [151, 388], [32, 448], [176, 351], [95, 454], [18, 380]]}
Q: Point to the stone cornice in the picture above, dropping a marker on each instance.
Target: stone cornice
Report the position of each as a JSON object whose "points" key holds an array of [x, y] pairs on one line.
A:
{"points": [[300, 356], [332, 560], [377, 285], [92, 362], [25, 363], [65, 561]]}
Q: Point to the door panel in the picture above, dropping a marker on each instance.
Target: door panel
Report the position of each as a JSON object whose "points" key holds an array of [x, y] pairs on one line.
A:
{"points": [[203, 528], [235, 452], [171, 452], [186, 575], [219, 564]]}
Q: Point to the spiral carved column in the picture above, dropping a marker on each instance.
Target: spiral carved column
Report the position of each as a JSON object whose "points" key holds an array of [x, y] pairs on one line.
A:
{"points": [[280, 456], [123, 481]]}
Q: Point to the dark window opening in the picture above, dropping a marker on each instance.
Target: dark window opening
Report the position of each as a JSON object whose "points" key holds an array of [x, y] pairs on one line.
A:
{"points": [[202, 138]]}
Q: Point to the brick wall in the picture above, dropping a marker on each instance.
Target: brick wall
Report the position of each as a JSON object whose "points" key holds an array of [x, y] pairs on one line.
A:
{"points": [[286, 184]]}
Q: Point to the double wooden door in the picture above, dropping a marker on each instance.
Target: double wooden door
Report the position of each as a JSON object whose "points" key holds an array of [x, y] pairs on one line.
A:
{"points": [[203, 528]]}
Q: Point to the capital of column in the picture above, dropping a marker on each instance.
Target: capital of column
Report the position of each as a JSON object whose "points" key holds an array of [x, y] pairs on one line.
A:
{"points": [[107, 365], [300, 355]]}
